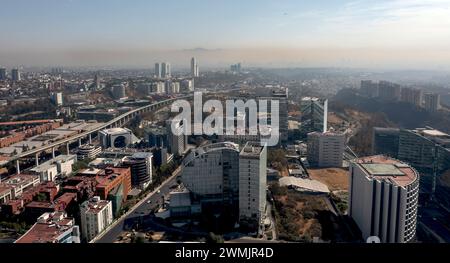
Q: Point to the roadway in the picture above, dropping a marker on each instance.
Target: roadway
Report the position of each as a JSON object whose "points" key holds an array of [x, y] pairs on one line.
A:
{"points": [[134, 215]]}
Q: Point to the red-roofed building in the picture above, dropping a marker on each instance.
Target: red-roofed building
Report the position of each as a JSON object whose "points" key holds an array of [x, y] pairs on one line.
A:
{"points": [[52, 228], [112, 178], [65, 200]]}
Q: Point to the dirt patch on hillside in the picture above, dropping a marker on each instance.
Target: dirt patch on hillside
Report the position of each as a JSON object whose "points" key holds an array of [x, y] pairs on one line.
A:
{"points": [[334, 178]]}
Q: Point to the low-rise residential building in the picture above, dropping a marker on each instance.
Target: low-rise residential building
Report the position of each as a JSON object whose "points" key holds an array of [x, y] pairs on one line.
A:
{"points": [[61, 165], [19, 183], [52, 228], [5, 193], [47, 172], [96, 216]]}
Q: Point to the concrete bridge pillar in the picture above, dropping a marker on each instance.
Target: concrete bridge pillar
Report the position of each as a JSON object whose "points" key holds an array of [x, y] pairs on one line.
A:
{"points": [[67, 148], [53, 152], [37, 159], [17, 166]]}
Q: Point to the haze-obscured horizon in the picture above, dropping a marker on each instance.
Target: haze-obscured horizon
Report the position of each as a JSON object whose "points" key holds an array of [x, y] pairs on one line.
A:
{"points": [[394, 34]]}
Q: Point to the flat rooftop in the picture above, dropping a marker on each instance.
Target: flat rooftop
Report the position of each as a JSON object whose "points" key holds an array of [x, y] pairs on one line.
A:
{"points": [[310, 98], [95, 206], [48, 229], [434, 133], [304, 184], [20, 179], [116, 131], [4, 190], [380, 167], [252, 149], [376, 169]]}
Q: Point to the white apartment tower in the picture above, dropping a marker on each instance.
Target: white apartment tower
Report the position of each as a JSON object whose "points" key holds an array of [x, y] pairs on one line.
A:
{"points": [[252, 181], [165, 70], [157, 70], [96, 216], [383, 198]]}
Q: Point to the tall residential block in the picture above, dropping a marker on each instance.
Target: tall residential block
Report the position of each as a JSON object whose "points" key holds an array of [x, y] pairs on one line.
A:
{"points": [[252, 182], [15, 74], [325, 149], [384, 198], [165, 70], [431, 102]]}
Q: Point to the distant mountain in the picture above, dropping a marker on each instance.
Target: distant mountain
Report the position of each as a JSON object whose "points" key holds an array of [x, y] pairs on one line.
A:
{"points": [[200, 49]]}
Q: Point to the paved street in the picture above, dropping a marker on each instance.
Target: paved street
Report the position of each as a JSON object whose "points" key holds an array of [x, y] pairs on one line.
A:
{"points": [[143, 208]]}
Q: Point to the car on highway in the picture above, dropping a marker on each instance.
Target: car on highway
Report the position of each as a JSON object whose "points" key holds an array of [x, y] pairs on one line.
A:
{"points": [[149, 202]]}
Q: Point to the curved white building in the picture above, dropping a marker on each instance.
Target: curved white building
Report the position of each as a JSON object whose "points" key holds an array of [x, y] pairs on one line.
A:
{"points": [[212, 171], [116, 137], [383, 198]]}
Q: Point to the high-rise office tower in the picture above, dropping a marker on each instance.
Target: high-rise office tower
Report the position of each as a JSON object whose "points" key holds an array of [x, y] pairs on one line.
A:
{"points": [[97, 82], [384, 198], [325, 149], [236, 68], [177, 143], [194, 68], [314, 115], [141, 168], [57, 98], [3, 74], [280, 95], [252, 182], [157, 70], [165, 70], [431, 102], [156, 136], [15, 74]]}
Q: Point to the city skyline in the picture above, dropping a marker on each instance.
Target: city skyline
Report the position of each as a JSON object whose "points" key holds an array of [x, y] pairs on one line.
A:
{"points": [[381, 34]]}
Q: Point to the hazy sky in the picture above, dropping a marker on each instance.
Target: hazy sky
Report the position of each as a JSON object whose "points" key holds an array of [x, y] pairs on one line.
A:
{"points": [[361, 33]]}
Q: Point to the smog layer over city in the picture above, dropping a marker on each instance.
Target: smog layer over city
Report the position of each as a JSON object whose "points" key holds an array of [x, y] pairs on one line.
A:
{"points": [[234, 122]]}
